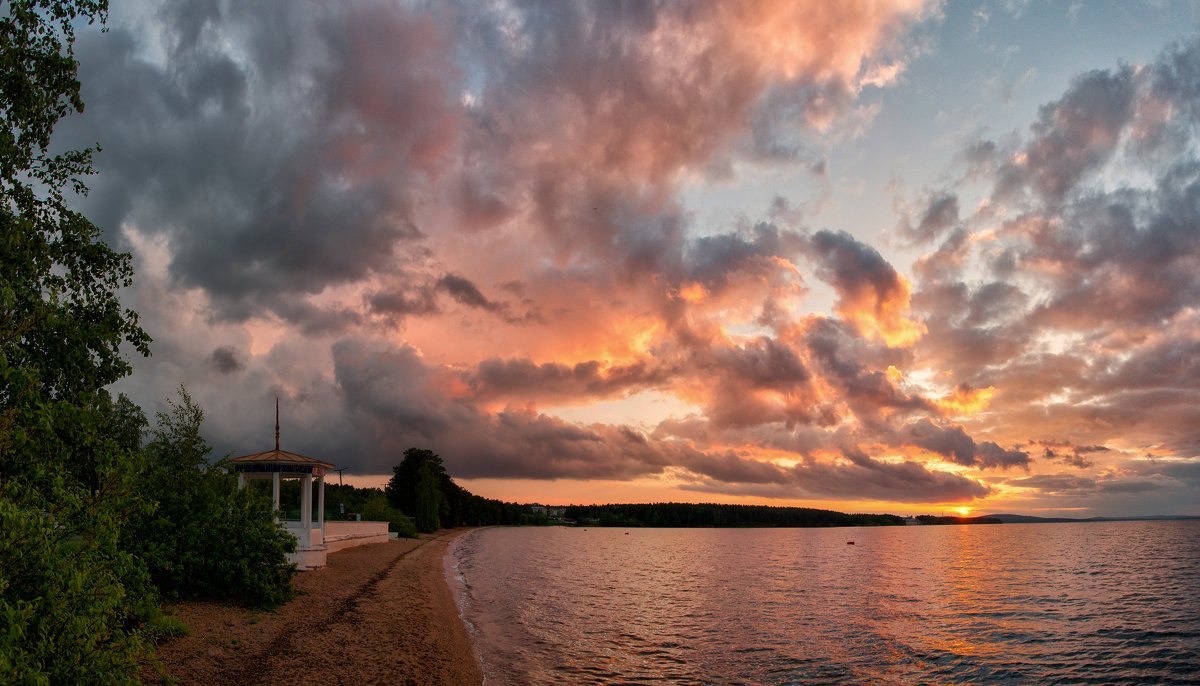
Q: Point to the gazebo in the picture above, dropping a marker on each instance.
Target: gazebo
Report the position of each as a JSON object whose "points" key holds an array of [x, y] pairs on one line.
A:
{"points": [[280, 464]]}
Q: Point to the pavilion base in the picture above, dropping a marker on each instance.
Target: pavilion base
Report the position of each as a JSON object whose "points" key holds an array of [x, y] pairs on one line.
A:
{"points": [[340, 535], [309, 558]]}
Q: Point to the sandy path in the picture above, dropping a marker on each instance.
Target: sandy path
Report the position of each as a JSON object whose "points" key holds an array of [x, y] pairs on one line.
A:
{"points": [[378, 614]]}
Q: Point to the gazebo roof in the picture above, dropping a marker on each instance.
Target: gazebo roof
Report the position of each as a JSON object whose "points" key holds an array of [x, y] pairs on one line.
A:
{"points": [[277, 457]]}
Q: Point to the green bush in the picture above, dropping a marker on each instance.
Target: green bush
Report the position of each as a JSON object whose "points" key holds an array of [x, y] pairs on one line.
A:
{"points": [[64, 614], [206, 538], [376, 509]]}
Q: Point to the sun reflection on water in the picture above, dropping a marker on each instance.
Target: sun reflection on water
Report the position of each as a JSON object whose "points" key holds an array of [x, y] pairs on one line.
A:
{"points": [[904, 605]]}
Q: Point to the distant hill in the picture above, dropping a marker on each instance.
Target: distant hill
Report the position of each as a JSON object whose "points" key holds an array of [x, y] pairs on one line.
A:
{"points": [[1027, 519]]}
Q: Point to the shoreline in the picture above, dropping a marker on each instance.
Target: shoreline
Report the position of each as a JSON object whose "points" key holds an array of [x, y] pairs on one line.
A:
{"points": [[380, 613]]}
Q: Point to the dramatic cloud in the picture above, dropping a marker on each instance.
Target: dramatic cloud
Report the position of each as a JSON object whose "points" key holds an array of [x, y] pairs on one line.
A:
{"points": [[955, 445], [651, 242], [871, 294]]}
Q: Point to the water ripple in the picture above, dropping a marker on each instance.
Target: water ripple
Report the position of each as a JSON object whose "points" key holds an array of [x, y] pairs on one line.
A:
{"points": [[1095, 603]]}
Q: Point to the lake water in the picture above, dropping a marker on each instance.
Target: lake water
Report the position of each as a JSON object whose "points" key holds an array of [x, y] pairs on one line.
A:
{"points": [[1081, 603]]}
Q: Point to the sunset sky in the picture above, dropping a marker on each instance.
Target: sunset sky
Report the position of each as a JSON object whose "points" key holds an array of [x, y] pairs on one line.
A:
{"points": [[900, 257]]}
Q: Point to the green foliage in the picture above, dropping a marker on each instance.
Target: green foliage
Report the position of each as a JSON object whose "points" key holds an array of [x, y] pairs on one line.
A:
{"points": [[66, 611], [342, 501], [402, 489], [417, 486], [66, 615], [428, 500], [63, 611], [60, 317], [206, 538], [376, 509]]}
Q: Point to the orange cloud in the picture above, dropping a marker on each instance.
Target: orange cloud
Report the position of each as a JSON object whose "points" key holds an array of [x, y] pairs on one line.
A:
{"points": [[965, 401], [694, 293], [884, 317]]}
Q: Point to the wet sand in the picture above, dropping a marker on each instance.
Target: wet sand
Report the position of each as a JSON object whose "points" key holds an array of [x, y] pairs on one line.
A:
{"points": [[377, 614]]}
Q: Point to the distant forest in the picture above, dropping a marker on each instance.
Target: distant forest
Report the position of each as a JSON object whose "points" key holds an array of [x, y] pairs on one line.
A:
{"points": [[685, 515], [689, 515], [930, 519]]}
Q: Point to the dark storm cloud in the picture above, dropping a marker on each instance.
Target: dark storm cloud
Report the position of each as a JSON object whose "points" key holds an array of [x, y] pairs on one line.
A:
{"points": [[1186, 472], [271, 146], [736, 375], [467, 293], [225, 360], [992, 456], [950, 442], [1131, 486], [525, 444], [763, 363], [994, 303], [398, 401], [389, 386], [419, 300]]}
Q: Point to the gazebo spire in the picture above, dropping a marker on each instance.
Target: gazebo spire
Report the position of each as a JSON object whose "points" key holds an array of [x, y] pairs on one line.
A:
{"points": [[277, 422]]}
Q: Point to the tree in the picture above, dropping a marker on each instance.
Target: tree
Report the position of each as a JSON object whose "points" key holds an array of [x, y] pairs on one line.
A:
{"points": [[206, 538], [66, 615], [401, 489], [428, 500], [419, 485]]}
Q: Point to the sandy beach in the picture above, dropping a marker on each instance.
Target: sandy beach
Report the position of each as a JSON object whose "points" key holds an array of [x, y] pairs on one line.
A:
{"points": [[377, 614]]}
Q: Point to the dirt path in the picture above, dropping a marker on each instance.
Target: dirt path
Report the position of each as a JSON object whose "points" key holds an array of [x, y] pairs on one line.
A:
{"points": [[378, 614]]}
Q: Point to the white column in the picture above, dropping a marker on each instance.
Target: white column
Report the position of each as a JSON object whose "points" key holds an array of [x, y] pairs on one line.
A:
{"points": [[306, 505], [321, 504], [241, 480], [275, 492]]}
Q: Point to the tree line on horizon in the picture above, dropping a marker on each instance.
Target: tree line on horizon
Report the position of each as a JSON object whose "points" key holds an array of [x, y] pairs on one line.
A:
{"points": [[704, 515]]}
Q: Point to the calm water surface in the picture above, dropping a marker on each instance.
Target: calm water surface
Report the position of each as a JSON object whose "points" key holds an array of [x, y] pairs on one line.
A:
{"points": [[1085, 603]]}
